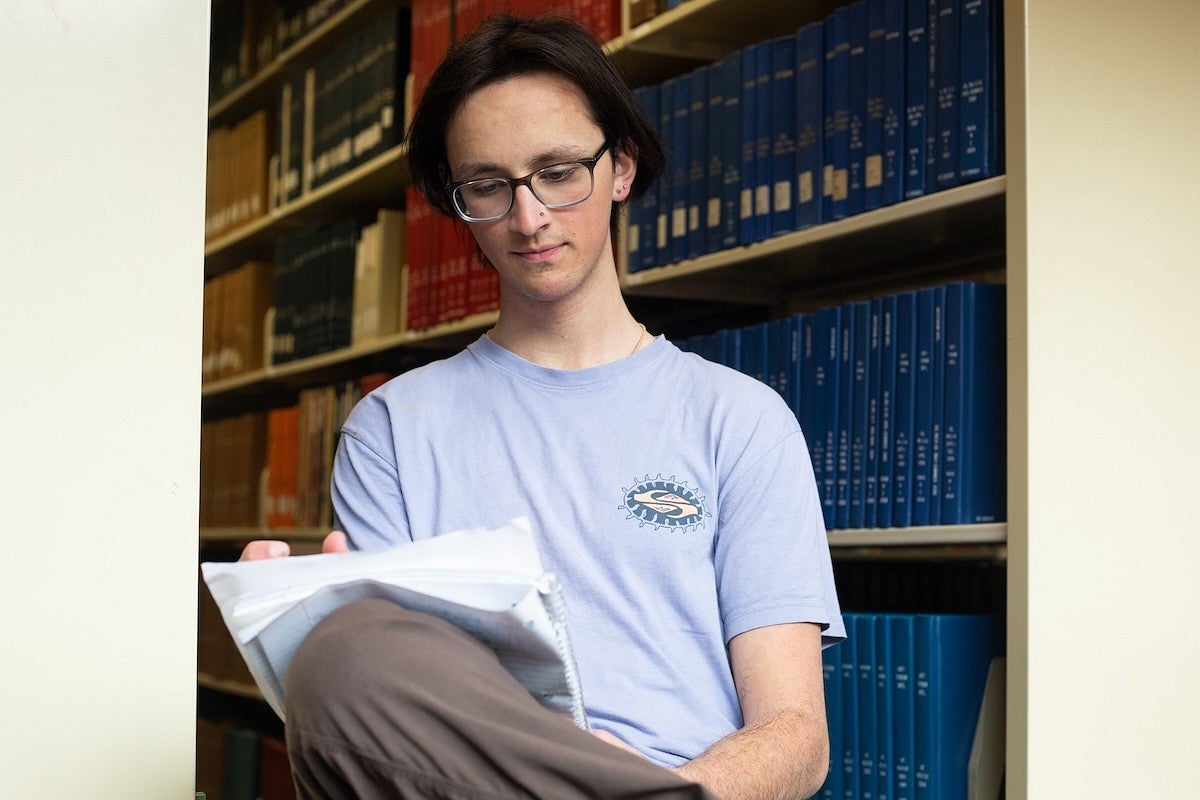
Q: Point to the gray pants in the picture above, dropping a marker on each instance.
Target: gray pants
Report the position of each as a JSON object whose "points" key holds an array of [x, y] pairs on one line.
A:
{"points": [[386, 703]]}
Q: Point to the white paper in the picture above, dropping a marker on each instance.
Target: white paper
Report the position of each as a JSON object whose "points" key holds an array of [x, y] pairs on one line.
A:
{"points": [[487, 581]]}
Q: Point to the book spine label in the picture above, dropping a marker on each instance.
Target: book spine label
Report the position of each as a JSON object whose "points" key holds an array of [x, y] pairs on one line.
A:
{"points": [[916, 66], [835, 181], [948, 88], [873, 163], [698, 146], [810, 62], [783, 134], [857, 75]]}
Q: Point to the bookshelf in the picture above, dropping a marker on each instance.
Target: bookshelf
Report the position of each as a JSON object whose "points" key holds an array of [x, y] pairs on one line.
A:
{"points": [[1059, 230]]}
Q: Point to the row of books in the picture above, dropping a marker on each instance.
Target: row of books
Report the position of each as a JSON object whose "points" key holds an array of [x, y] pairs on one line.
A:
{"points": [[271, 468], [314, 290], [234, 762], [339, 285], [235, 305], [437, 23], [344, 110], [237, 189], [446, 279], [881, 101], [903, 697], [249, 35], [901, 399], [232, 454], [299, 454]]}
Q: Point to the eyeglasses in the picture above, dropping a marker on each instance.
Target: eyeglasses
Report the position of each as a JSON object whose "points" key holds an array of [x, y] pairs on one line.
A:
{"points": [[555, 186]]}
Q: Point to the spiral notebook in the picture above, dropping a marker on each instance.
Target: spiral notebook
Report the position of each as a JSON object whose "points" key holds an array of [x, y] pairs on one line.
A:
{"points": [[487, 581]]}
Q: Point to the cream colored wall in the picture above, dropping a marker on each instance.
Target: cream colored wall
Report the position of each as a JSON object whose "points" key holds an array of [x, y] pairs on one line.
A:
{"points": [[102, 146], [1104, 278]]}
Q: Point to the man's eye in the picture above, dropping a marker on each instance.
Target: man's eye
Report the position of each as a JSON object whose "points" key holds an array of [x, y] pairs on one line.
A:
{"points": [[486, 189], [559, 174]]}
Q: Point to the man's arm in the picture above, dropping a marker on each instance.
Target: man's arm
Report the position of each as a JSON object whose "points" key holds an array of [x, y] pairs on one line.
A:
{"points": [[782, 750]]}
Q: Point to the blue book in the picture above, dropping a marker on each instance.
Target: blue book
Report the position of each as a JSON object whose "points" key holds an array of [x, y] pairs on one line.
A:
{"points": [[828, 394], [642, 212], [903, 409], [810, 63], [835, 177], [729, 346], [860, 421], [892, 189], [790, 383], [697, 193], [916, 123], [783, 133], [845, 429], [857, 75], [812, 406], [681, 136], [718, 86], [868, 717], [948, 87], [831, 670], [885, 743], [851, 782], [763, 121], [748, 229], [666, 112], [754, 345], [931, 97], [952, 653], [887, 412], [873, 165], [979, 101], [731, 150], [939, 400], [780, 358], [874, 414], [903, 697], [973, 451], [922, 443]]}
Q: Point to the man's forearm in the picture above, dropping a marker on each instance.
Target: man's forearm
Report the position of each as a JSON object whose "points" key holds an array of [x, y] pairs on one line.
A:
{"points": [[781, 758]]}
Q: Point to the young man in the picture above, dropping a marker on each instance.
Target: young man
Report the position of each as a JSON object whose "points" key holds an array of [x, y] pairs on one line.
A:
{"points": [[673, 497]]}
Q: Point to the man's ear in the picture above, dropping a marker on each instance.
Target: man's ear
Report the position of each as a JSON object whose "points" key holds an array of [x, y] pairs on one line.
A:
{"points": [[624, 171]]}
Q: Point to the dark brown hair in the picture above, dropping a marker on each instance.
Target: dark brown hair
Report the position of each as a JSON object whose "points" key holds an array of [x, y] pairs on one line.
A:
{"points": [[505, 46]]}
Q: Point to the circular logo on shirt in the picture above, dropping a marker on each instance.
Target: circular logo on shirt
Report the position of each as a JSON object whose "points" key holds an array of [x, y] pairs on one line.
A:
{"points": [[664, 503]]}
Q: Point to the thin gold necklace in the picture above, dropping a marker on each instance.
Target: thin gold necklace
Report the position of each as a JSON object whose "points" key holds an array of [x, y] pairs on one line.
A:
{"points": [[638, 343]]}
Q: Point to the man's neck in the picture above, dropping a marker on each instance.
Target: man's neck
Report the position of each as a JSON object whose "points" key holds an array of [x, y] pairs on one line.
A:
{"points": [[584, 335]]}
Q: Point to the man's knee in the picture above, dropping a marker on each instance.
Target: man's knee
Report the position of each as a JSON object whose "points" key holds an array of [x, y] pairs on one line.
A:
{"points": [[371, 650]]}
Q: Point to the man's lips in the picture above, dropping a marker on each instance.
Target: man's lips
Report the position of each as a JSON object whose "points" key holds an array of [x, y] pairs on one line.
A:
{"points": [[538, 253]]}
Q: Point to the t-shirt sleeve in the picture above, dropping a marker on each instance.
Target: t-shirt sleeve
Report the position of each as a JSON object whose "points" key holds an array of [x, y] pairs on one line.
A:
{"points": [[772, 554], [365, 488]]}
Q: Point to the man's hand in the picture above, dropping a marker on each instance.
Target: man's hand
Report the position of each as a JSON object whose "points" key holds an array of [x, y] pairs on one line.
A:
{"points": [[335, 542]]}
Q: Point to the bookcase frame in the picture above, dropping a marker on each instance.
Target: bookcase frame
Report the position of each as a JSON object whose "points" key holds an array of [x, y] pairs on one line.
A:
{"points": [[1047, 60]]}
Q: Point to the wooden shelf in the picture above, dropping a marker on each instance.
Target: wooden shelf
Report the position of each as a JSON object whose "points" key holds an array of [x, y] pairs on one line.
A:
{"points": [[260, 90], [398, 351], [925, 543], [920, 235], [702, 31], [377, 183]]}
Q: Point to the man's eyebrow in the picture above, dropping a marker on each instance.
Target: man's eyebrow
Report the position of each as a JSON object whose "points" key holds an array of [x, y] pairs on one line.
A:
{"points": [[486, 169]]}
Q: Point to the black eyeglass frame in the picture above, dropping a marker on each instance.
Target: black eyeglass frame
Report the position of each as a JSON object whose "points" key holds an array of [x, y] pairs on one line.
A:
{"points": [[527, 181]]}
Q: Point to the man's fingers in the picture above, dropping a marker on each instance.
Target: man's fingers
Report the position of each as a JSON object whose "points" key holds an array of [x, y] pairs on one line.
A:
{"points": [[265, 548], [335, 542]]}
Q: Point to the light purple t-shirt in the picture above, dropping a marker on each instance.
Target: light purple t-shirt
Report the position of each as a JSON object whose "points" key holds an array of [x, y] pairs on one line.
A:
{"points": [[673, 497]]}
